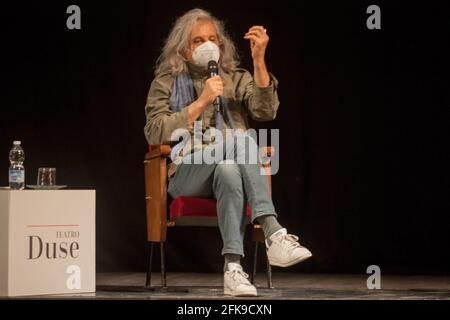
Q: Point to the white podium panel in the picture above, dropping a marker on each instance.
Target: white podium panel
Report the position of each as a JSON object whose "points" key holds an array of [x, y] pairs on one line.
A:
{"points": [[47, 242]]}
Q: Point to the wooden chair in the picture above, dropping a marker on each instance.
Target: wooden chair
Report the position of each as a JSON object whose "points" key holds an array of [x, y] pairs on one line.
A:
{"points": [[183, 211]]}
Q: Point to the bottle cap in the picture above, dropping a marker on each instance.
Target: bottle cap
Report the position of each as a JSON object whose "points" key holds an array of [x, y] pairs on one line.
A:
{"points": [[17, 142]]}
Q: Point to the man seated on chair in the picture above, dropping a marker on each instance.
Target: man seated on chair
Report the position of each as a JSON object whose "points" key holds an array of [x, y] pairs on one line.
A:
{"points": [[182, 93]]}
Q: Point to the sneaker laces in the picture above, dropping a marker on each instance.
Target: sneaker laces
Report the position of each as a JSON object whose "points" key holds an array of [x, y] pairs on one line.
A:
{"points": [[290, 240], [239, 276]]}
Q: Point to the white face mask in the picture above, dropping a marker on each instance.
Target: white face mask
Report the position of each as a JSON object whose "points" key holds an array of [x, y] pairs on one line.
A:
{"points": [[206, 52]]}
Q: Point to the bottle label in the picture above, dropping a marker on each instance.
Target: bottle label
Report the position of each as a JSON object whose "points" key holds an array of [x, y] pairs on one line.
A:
{"points": [[17, 176]]}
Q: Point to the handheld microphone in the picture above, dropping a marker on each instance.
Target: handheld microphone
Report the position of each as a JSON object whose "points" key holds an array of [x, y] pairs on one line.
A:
{"points": [[213, 70]]}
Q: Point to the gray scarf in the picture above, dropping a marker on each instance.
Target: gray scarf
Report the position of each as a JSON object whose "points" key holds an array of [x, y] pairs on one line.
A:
{"points": [[183, 94]]}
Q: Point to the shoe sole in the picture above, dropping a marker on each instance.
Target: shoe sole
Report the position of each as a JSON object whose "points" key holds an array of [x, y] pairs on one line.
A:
{"points": [[291, 263], [228, 292]]}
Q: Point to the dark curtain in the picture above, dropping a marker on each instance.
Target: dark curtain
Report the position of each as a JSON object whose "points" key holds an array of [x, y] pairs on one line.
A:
{"points": [[364, 123]]}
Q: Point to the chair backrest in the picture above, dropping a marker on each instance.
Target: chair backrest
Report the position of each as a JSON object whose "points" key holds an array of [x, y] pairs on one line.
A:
{"points": [[155, 170]]}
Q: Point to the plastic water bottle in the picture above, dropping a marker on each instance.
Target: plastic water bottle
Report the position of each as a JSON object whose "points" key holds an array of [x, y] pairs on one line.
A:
{"points": [[16, 169]]}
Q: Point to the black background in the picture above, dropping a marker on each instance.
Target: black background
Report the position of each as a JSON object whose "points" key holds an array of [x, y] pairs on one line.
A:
{"points": [[364, 123]]}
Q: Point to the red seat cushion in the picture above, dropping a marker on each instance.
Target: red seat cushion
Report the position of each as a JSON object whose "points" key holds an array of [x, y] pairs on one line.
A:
{"points": [[195, 207]]}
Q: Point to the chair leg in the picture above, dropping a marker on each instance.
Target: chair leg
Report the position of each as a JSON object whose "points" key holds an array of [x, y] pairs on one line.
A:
{"points": [[255, 259], [163, 266], [148, 279], [269, 274]]}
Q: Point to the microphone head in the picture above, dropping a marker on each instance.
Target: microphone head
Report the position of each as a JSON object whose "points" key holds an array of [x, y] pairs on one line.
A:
{"points": [[213, 69], [212, 63]]}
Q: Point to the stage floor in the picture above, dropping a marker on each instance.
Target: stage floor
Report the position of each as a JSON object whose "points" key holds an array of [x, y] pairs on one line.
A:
{"points": [[287, 286]]}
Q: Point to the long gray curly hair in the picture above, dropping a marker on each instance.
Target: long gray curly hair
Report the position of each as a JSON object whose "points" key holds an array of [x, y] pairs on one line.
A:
{"points": [[171, 58]]}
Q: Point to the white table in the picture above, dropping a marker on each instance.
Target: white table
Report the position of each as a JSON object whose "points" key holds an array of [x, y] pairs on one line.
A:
{"points": [[47, 242]]}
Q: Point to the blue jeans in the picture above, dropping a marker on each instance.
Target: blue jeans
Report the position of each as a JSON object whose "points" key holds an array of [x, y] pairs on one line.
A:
{"points": [[233, 184]]}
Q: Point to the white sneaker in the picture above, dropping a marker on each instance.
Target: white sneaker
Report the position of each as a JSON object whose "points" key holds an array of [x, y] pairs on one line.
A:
{"points": [[285, 250], [235, 282]]}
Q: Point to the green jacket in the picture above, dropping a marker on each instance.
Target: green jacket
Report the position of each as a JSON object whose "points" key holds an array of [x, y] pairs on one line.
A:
{"points": [[244, 99]]}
